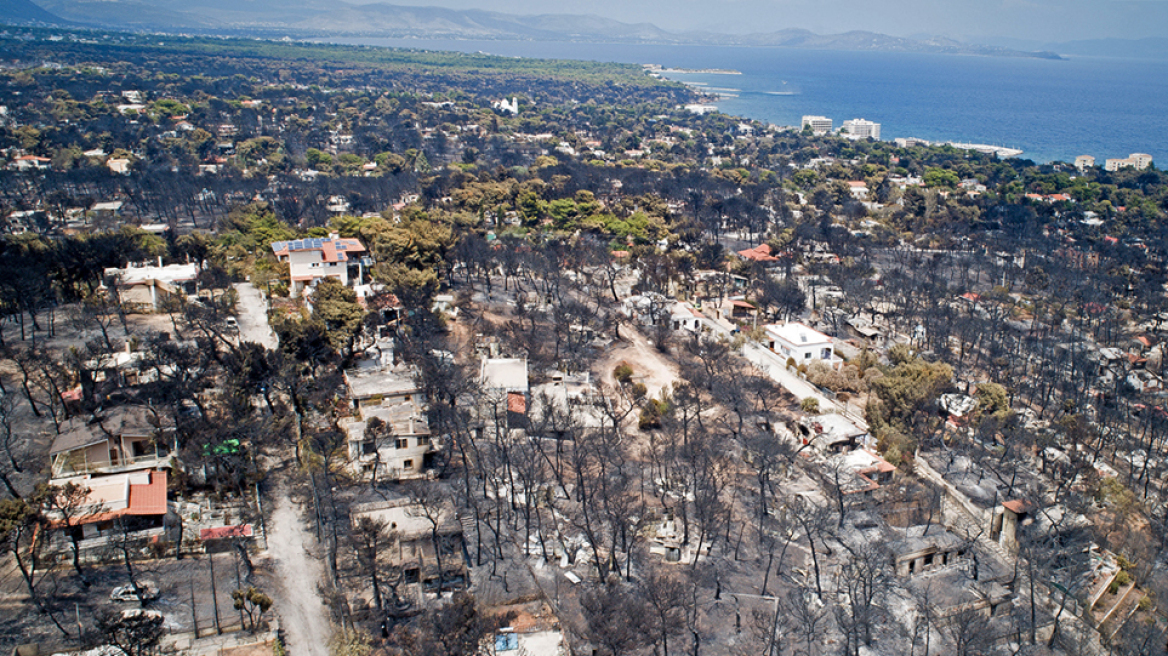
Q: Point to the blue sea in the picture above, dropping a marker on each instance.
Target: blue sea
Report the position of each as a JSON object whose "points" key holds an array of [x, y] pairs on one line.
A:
{"points": [[1050, 109]]}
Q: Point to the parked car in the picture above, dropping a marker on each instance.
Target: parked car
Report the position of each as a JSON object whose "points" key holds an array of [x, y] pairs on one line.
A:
{"points": [[148, 590], [232, 324]]}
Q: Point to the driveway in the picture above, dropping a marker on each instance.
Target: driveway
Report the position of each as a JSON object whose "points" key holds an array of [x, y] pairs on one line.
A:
{"points": [[252, 308], [303, 617], [775, 366]]}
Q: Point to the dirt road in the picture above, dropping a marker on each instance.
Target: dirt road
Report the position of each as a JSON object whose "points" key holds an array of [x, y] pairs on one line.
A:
{"points": [[303, 617], [649, 365]]}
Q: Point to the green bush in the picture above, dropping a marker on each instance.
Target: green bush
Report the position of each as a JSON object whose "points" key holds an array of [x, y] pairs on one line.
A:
{"points": [[639, 390], [623, 373], [810, 405]]}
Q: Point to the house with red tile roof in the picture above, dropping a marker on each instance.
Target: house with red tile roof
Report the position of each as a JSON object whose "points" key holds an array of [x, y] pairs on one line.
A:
{"points": [[761, 253], [315, 258], [135, 501]]}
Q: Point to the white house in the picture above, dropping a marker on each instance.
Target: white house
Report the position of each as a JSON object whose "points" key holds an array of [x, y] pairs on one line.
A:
{"points": [[804, 344], [145, 287], [309, 259]]}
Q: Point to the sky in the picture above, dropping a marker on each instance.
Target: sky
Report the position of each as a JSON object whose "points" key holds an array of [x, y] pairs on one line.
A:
{"points": [[1031, 20]]}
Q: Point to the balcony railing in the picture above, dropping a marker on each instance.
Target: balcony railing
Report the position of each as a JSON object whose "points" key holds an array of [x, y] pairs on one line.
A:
{"points": [[65, 466]]}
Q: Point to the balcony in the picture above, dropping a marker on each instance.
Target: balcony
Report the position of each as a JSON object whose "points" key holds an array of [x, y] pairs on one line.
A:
{"points": [[66, 465]]}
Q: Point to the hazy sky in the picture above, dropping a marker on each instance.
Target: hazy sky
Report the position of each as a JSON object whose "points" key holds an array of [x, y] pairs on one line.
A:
{"points": [[1039, 20]]}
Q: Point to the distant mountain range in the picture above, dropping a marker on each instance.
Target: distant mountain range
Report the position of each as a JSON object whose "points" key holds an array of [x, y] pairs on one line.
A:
{"points": [[324, 18], [23, 12]]}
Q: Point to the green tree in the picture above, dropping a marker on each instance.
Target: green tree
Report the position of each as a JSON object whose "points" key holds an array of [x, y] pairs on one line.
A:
{"points": [[336, 306], [938, 177], [905, 394], [252, 602]]}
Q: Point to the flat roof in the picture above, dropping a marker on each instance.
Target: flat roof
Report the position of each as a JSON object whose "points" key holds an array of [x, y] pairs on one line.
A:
{"points": [[384, 381], [508, 374], [407, 518], [171, 273], [798, 334]]}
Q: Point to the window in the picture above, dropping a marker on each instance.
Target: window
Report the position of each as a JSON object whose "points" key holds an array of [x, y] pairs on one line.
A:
{"points": [[407, 464], [368, 447], [807, 356], [423, 441], [403, 443]]}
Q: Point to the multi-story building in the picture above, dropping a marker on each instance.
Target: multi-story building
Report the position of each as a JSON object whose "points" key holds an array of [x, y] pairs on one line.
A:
{"points": [[1137, 161], [1084, 162], [310, 259], [818, 124], [859, 128], [388, 432]]}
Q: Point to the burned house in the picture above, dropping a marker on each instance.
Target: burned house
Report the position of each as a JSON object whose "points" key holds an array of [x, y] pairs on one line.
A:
{"points": [[426, 543], [124, 438], [830, 433], [388, 433]]}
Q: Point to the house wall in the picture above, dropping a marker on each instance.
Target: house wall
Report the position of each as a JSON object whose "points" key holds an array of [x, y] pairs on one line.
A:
{"points": [[311, 263], [405, 462], [803, 353]]}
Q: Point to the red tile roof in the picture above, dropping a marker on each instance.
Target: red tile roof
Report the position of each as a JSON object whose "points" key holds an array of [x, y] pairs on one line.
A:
{"points": [[149, 499], [761, 253], [517, 403], [331, 250], [1017, 506]]}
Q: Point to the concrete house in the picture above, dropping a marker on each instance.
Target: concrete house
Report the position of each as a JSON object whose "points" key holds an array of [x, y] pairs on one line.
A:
{"points": [[135, 501], [125, 438], [389, 435], [311, 259], [146, 288], [506, 387], [804, 344], [423, 539]]}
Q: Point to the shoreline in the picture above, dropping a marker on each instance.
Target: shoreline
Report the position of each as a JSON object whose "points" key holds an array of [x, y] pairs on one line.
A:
{"points": [[710, 96]]}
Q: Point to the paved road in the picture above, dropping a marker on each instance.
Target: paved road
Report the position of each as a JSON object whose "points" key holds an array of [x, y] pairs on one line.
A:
{"points": [[253, 316], [303, 617]]}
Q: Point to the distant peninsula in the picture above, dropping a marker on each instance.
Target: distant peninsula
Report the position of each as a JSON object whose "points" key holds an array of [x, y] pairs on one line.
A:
{"points": [[316, 19]]}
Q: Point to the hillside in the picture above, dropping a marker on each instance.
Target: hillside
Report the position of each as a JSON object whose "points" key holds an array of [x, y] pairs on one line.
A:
{"points": [[24, 12], [315, 19]]}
